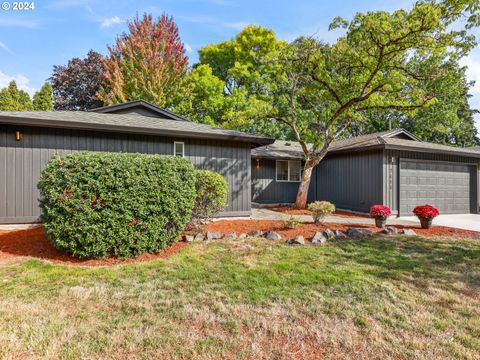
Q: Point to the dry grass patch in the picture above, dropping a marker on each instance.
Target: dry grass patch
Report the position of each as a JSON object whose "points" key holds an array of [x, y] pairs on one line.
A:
{"points": [[369, 299]]}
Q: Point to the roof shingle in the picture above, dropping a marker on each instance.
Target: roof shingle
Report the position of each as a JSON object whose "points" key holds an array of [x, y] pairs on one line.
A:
{"points": [[126, 123]]}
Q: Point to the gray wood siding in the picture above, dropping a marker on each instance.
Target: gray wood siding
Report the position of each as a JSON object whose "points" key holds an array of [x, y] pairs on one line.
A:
{"points": [[266, 189], [352, 181], [391, 161], [21, 163]]}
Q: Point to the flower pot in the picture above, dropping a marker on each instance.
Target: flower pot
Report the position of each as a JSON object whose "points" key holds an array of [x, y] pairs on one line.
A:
{"points": [[380, 222], [426, 223]]}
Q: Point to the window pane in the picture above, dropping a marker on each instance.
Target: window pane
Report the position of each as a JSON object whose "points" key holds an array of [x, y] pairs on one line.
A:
{"points": [[295, 170], [282, 170], [178, 149]]}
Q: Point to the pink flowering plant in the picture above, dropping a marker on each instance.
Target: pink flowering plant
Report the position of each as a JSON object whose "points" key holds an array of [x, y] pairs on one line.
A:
{"points": [[380, 211], [426, 212]]}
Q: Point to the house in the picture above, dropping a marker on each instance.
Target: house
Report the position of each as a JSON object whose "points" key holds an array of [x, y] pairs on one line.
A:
{"points": [[28, 139], [392, 168]]}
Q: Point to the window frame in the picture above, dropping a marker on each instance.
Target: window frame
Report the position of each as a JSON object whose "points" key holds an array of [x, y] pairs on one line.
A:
{"points": [[288, 173], [175, 148]]}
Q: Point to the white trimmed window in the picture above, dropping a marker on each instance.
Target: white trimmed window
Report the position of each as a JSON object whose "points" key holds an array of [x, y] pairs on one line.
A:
{"points": [[289, 170], [179, 149]]}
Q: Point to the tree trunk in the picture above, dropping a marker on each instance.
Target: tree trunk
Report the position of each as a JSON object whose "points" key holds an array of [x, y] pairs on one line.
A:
{"points": [[302, 194]]}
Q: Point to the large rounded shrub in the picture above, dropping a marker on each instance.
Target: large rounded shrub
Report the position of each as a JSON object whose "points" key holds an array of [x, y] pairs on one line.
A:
{"points": [[212, 193], [115, 204]]}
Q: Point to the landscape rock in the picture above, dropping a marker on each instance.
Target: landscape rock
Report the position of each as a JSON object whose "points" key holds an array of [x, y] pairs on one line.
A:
{"points": [[409, 232], [199, 237], [242, 236], [359, 232], [297, 240], [329, 234], [318, 238], [390, 230], [255, 233], [188, 238], [272, 235], [230, 236], [213, 235], [340, 235]]}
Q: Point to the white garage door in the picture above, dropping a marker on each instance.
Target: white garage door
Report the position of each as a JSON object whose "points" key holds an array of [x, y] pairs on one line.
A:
{"points": [[443, 185]]}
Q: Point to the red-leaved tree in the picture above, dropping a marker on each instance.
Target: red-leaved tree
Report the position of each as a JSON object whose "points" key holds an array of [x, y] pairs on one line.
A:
{"points": [[148, 63]]}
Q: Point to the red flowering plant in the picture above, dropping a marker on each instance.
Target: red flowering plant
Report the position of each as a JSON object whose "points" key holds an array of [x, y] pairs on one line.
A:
{"points": [[380, 211], [426, 212]]}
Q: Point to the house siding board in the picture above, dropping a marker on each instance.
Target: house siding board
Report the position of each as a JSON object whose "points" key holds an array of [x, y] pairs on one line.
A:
{"points": [[393, 173], [21, 163], [352, 181], [265, 187]]}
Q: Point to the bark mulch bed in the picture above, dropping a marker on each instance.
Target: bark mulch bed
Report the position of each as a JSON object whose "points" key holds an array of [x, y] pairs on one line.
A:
{"points": [[292, 211], [307, 230], [34, 243]]}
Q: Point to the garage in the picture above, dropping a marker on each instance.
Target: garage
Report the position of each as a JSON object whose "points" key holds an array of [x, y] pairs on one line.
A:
{"points": [[447, 186]]}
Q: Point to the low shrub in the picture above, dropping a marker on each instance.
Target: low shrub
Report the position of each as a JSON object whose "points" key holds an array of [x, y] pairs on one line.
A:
{"points": [[380, 211], [212, 193], [115, 204], [321, 209], [291, 223], [427, 212]]}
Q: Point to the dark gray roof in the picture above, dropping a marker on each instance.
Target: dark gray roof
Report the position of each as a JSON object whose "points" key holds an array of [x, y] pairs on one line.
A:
{"points": [[163, 113], [392, 139], [126, 124], [421, 146]]}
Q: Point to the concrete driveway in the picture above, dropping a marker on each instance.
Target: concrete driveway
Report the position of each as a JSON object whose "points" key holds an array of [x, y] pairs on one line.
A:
{"points": [[460, 221]]}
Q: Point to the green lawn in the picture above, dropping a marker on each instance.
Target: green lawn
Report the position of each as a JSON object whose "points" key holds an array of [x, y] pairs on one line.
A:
{"points": [[381, 298]]}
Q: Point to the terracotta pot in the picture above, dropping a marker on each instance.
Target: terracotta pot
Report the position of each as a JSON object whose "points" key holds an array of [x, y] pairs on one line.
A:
{"points": [[380, 222], [426, 223]]}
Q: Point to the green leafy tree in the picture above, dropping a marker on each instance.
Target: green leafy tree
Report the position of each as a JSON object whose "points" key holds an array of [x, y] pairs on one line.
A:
{"points": [[148, 63], [325, 88], [12, 98], [243, 69], [202, 98], [43, 99], [449, 121]]}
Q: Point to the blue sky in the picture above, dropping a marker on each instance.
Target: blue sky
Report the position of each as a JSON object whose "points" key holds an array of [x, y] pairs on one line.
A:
{"points": [[31, 42]]}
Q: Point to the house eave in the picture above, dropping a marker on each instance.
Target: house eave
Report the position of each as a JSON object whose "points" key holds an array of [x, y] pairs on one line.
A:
{"points": [[21, 121], [431, 151]]}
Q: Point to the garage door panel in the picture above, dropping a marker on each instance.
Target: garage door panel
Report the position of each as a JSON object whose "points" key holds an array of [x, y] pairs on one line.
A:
{"points": [[445, 186]]}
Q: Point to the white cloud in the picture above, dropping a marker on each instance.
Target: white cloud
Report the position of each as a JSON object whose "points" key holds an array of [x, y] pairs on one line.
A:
{"points": [[5, 47], [236, 25], [472, 62], [473, 72], [22, 82], [109, 22], [187, 47]]}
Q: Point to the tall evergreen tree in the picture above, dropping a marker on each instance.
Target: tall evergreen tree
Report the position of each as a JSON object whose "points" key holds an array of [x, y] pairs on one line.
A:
{"points": [[12, 98], [148, 63], [43, 99]]}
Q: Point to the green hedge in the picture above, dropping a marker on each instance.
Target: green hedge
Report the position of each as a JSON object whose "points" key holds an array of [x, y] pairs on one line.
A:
{"points": [[212, 193], [115, 204]]}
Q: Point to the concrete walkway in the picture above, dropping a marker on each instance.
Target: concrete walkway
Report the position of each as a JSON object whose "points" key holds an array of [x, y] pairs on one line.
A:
{"points": [[459, 221]]}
